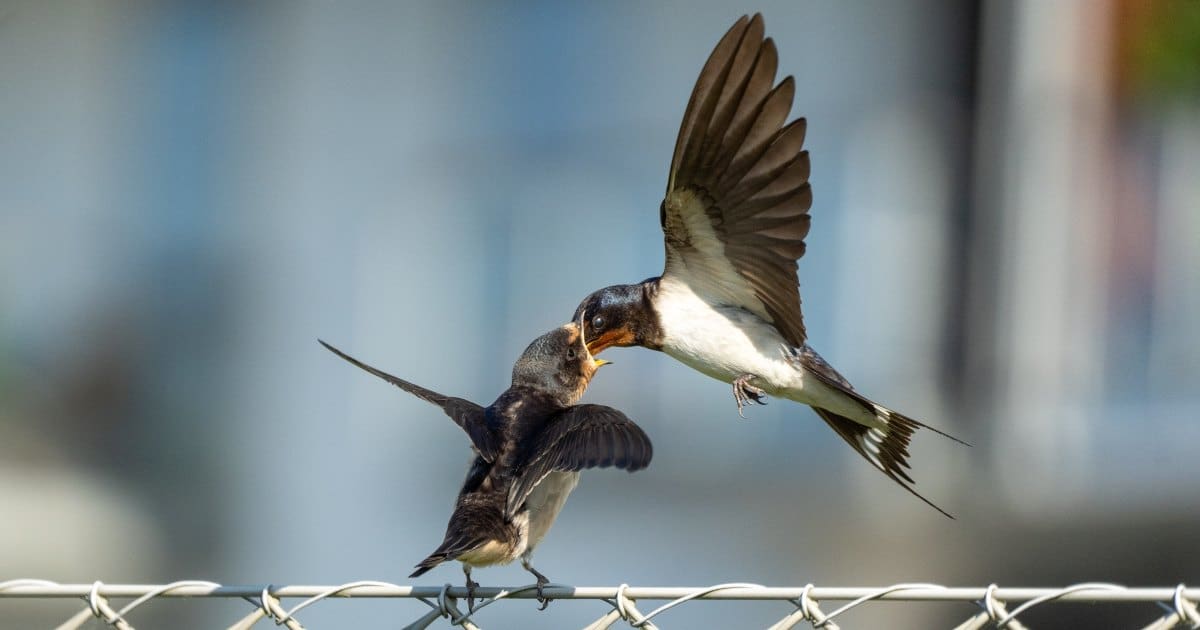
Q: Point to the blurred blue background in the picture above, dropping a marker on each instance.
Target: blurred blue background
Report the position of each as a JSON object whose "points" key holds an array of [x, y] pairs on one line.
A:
{"points": [[1004, 244]]}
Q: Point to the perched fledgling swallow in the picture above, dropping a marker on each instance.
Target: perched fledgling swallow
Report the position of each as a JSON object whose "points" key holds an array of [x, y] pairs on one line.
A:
{"points": [[530, 445], [734, 219]]}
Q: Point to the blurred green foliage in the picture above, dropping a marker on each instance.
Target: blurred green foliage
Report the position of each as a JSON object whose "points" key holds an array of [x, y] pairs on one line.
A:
{"points": [[1166, 53]]}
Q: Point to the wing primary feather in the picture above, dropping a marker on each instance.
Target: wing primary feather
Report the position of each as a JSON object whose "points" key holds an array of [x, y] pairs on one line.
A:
{"points": [[427, 395], [758, 87], [466, 414], [772, 200], [771, 164], [709, 74], [771, 115], [730, 94]]}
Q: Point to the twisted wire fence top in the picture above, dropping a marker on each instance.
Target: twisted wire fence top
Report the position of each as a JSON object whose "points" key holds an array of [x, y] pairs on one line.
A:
{"points": [[1176, 606]]}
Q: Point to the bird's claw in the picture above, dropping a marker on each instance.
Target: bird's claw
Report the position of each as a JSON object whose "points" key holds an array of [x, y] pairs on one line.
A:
{"points": [[744, 393], [542, 581], [541, 585], [471, 586]]}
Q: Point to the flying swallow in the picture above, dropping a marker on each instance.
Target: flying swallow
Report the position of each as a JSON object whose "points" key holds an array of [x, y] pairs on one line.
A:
{"points": [[734, 219], [529, 445]]}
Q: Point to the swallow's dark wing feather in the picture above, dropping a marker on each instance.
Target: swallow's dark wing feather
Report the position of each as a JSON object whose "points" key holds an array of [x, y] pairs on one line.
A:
{"points": [[736, 210], [464, 413], [579, 437]]}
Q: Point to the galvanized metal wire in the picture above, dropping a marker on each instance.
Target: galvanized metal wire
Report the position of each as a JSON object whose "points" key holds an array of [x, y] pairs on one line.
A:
{"points": [[1176, 606]]}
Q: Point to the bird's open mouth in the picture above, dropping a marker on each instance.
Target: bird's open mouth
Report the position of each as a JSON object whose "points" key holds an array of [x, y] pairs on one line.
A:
{"points": [[609, 338]]}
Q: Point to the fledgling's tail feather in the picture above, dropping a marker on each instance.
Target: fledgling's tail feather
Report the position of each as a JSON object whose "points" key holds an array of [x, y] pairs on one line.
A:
{"points": [[456, 543], [425, 565]]}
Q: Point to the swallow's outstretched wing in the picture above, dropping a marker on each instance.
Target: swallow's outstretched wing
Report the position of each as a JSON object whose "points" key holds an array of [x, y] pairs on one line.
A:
{"points": [[464, 413], [579, 437], [736, 209]]}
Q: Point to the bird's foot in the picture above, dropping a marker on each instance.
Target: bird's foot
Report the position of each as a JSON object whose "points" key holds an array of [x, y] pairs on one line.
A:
{"points": [[541, 586], [745, 393], [471, 586]]}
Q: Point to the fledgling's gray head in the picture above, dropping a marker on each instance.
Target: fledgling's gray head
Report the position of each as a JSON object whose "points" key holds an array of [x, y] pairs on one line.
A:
{"points": [[558, 363]]}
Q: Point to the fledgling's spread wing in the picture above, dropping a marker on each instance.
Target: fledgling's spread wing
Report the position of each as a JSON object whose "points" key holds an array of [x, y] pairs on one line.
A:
{"points": [[464, 413], [579, 437]]}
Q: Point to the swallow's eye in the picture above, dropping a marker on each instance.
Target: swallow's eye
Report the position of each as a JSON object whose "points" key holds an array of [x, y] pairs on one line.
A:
{"points": [[598, 322], [570, 353]]}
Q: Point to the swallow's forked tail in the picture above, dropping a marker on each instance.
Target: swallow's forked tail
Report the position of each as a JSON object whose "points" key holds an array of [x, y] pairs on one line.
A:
{"points": [[885, 448]]}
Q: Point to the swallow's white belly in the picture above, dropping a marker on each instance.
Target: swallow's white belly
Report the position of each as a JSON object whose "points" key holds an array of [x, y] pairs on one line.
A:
{"points": [[726, 342], [545, 502], [723, 342]]}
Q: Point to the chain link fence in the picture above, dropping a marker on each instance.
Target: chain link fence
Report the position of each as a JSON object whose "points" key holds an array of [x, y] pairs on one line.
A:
{"points": [[999, 607]]}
